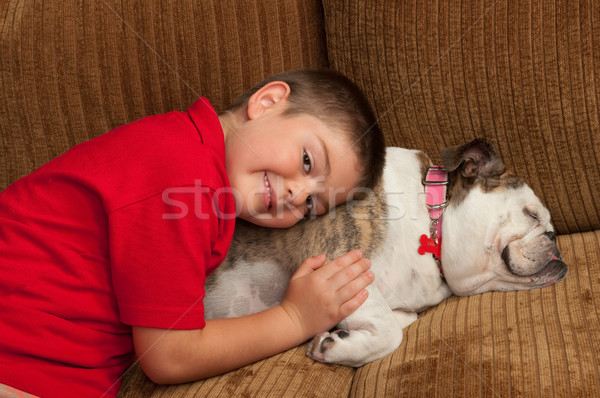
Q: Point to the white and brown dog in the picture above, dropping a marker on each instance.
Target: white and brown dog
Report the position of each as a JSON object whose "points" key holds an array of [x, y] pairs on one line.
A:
{"points": [[496, 233]]}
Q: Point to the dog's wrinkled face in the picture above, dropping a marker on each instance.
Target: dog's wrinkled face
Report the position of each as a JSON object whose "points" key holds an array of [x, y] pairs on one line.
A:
{"points": [[497, 233]]}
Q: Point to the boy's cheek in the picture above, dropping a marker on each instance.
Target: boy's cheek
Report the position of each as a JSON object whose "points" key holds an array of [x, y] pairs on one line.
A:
{"points": [[270, 221]]}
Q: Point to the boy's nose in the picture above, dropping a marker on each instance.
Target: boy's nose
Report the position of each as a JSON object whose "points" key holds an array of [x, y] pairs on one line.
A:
{"points": [[297, 193]]}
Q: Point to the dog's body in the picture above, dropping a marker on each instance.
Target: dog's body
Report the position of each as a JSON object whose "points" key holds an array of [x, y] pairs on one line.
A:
{"points": [[496, 236]]}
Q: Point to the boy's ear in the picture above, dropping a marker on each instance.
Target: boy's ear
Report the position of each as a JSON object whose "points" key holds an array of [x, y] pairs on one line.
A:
{"points": [[267, 97]]}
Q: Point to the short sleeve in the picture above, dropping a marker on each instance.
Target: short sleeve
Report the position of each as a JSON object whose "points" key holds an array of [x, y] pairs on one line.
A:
{"points": [[160, 251]]}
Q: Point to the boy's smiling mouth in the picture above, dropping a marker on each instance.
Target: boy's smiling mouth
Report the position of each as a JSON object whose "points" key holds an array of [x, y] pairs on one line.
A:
{"points": [[267, 195]]}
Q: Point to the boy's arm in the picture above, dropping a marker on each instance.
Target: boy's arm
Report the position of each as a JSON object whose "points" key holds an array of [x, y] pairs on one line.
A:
{"points": [[318, 297]]}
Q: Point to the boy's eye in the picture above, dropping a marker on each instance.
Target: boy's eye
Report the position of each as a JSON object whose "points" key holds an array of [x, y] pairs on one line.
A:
{"points": [[310, 207], [306, 162]]}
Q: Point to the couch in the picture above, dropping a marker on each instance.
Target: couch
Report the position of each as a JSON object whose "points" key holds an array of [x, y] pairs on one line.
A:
{"points": [[523, 74]]}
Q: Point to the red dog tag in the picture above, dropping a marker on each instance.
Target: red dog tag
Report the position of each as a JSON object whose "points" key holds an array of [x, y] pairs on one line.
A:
{"points": [[428, 245]]}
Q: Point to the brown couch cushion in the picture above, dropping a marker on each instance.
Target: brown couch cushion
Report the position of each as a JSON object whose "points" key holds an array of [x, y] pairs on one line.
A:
{"points": [[72, 70], [534, 343], [290, 374], [523, 74], [541, 342]]}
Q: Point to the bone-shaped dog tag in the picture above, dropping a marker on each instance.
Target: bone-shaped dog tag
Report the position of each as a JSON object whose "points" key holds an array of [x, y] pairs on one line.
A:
{"points": [[429, 245]]}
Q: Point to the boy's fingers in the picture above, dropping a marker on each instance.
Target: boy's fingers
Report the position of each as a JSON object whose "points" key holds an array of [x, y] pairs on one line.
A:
{"points": [[333, 267], [352, 288], [350, 272], [309, 265], [352, 305]]}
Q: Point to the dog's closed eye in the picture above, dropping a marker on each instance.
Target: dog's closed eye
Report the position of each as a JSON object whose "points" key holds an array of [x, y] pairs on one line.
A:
{"points": [[531, 213]]}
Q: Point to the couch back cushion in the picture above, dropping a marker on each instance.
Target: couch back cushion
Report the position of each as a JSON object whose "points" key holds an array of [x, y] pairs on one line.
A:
{"points": [[71, 70], [526, 75]]}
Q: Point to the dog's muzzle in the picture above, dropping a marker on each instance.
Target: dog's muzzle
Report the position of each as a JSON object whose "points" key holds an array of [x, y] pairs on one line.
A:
{"points": [[552, 272]]}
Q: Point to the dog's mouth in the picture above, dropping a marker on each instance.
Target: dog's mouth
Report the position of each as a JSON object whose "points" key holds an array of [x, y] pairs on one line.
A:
{"points": [[553, 272], [550, 273]]}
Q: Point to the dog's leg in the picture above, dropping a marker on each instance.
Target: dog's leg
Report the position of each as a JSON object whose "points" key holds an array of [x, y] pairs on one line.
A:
{"points": [[405, 318], [370, 333]]}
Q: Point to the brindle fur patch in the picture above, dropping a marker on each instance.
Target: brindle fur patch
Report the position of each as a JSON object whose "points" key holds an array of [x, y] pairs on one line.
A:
{"points": [[476, 164], [460, 186], [357, 224]]}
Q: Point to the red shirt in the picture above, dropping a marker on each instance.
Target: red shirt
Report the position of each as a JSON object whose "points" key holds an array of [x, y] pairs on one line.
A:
{"points": [[121, 230]]}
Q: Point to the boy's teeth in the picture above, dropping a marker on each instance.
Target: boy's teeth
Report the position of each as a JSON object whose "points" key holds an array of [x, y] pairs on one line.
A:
{"points": [[268, 189]]}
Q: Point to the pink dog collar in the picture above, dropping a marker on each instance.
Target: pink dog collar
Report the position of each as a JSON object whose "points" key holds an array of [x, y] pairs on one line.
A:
{"points": [[436, 184]]}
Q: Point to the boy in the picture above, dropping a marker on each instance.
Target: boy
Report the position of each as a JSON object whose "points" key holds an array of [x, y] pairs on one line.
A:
{"points": [[105, 250]]}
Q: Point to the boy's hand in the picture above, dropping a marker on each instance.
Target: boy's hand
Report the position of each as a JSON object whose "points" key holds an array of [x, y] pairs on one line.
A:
{"points": [[321, 294]]}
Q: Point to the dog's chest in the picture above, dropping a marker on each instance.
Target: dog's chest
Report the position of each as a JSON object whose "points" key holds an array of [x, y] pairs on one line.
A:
{"points": [[407, 279]]}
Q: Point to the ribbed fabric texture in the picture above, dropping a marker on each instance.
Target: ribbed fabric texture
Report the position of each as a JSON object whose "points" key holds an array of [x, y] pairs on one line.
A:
{"points": [[290, 374], [525, 74], [71, 70], [538, 343]]}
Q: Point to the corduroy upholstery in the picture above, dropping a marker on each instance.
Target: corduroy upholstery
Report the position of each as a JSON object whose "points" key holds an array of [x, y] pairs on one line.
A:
{"points": [[524, 74], [71, 70]]}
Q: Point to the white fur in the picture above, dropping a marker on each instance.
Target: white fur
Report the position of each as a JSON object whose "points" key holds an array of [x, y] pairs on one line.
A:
{"points": [[475, 232], [405, 281], [249, 288]]}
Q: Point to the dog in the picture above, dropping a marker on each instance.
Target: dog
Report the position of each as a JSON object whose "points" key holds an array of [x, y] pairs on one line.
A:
{"points": [[496, 234]]}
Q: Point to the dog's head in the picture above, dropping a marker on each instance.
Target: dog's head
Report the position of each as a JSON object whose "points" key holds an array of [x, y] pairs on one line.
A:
{"points": [[497, 234]]}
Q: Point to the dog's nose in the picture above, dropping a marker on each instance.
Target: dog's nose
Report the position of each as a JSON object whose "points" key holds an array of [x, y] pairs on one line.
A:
{"points": [[551, 235]]}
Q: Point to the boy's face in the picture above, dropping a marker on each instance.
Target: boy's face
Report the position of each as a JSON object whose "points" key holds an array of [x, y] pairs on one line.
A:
{"points": [[283, 168]]}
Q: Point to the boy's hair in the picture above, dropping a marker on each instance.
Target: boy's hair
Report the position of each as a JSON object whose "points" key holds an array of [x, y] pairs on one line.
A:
{"points": [[340, 104]]}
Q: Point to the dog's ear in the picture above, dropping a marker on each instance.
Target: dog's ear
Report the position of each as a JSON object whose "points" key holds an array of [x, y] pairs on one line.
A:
{"points": [[475, 160]]}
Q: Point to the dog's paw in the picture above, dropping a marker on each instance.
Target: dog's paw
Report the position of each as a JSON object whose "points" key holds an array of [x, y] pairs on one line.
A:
{"points": [[324, 344]]}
